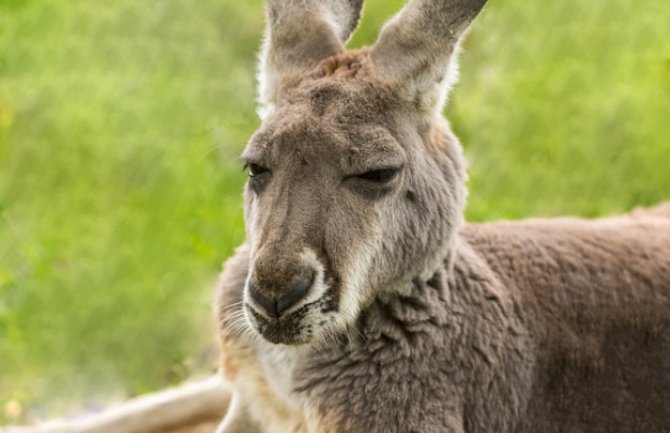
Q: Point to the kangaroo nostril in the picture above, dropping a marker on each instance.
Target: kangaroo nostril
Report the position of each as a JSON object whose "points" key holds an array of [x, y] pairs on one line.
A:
{"points": [[268, 304], [296, 294], [276, 306]]}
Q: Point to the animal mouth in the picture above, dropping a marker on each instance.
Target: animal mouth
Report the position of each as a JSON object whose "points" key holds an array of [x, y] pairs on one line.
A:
{"points": [[296, 328], [287, 329]]}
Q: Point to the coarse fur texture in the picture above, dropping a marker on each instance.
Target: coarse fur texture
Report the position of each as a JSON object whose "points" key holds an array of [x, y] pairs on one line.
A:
{"points": [[361, 302]]}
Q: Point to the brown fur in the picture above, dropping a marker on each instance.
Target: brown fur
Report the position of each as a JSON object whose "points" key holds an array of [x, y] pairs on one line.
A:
{"points": [[568, 322], [414, 321]]}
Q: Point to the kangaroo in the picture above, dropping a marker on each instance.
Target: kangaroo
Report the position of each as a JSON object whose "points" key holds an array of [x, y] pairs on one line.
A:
{"points": [[362, 302]]}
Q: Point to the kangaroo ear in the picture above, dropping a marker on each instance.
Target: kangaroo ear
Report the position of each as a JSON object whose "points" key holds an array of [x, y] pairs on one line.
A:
{"points": [[417, 49], [300, 33]]}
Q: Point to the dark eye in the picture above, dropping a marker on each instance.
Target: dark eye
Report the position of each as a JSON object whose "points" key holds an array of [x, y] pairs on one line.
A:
{"points": [[379, 176], [255, 169]]}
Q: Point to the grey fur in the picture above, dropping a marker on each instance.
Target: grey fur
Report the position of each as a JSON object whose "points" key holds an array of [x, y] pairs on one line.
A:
{"points": [[299, 34], [417, 322]]}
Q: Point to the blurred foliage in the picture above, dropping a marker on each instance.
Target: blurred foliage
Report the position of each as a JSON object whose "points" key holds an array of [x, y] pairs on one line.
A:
{"points": [[120, 126]]}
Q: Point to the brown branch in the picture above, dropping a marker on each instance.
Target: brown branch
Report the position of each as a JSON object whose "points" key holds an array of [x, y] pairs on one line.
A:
{"points": [[180, 410]]}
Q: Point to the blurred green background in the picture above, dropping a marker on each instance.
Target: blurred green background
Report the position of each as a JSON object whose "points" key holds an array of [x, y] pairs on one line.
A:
{"points": [[120, 126]]}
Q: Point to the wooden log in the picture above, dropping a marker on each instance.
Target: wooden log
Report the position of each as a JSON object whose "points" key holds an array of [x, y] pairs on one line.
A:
{"points": [[190, 408]]}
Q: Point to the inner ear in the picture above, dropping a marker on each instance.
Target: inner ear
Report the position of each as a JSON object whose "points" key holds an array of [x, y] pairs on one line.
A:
{"points": [[417, 49], [300, 34]]}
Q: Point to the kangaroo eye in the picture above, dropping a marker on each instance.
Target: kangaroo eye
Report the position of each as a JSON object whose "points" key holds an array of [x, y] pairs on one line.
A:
{"points": [[255, 169], [379, 176]]}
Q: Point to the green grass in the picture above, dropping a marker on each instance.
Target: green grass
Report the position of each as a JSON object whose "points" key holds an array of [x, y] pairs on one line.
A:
{"points": [[120, 126]]}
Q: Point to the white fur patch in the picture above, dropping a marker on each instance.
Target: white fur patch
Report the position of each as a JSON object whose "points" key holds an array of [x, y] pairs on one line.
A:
{"points": [[319, 287], [353, 285]]}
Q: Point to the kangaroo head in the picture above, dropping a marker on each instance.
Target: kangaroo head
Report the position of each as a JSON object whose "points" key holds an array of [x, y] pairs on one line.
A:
{"points": [[356, 183]]}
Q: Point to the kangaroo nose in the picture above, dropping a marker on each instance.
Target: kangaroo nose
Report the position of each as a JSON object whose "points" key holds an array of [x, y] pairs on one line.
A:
{"points": [[276, 305]]}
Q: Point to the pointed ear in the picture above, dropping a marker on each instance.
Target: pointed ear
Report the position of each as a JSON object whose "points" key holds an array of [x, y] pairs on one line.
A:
{"points": [[417, 49], [299, 34]]}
